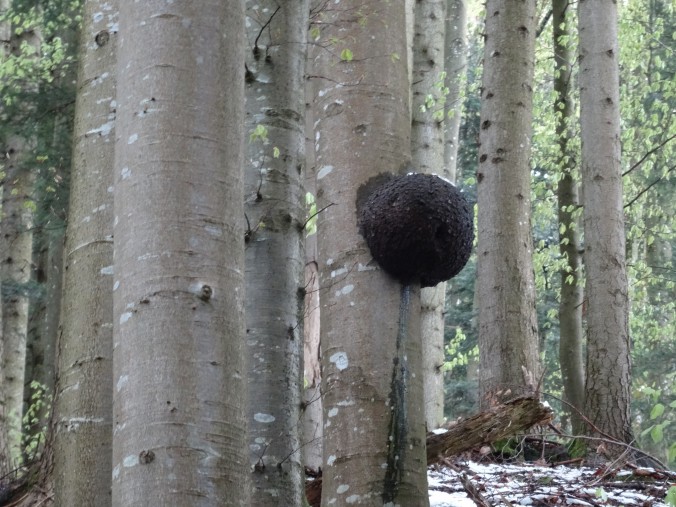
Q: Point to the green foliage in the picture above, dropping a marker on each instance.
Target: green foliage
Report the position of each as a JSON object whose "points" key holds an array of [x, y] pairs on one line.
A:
{"points": [[670, 499], [311, 205], [34, 421]]}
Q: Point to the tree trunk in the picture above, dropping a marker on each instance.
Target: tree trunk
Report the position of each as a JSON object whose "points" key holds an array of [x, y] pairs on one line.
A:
{"points": [[313, 426], [82, 419], [275, 211], [608, 382], [427, 155], [16, 243], [373, 413], [179, 432], [571, 342], [455, 65], [508, 335], [5, 459]]}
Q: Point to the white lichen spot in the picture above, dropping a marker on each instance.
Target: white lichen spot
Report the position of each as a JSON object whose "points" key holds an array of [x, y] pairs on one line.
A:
{"points": [[125, 317], [331, 460], [353, 499], [324, 171], [345, 290], [121, 382], [116, 472], [97, 16], [333, 412], [361, 267], [116, 284], [264, 418], [125, 173], [342, 488], [212, 230], [132, 139], [130, 461], [345, 403], [338, 272], [108, 270], [340, 360], [329, 262]]}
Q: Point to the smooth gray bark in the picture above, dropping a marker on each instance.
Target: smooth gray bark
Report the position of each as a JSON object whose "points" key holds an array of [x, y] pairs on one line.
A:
{"points": [[374, 430], [275, 211], [179, 397], [82, 419]]}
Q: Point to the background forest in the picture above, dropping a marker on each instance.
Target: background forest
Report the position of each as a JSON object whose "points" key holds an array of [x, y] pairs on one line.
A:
{"points": [[59, 310]]}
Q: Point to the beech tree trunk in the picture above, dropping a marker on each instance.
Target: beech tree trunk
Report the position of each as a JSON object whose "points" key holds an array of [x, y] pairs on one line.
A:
{"points": [[608, 381], [427, 155], [82, 419], [5, 460], [16, 246], [508, 333], [372, 387], [571, 340], [275, 210], [179, 431]]}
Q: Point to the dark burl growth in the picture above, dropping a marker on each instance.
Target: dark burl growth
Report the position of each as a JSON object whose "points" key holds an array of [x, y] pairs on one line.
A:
{"points": [[418, 227]]}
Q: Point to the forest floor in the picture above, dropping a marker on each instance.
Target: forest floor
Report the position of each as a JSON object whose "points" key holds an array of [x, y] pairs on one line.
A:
{"points": [[469, 483]]}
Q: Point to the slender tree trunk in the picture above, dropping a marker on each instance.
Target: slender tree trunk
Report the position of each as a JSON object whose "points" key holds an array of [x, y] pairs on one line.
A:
{"points": [[456, 68], [571, 339], [17, 247], [179, 432], [508, 336], [608, 381], [274, 206], [313, 426], [427, 155], [5, 459], [374, 428], [82, 420]]}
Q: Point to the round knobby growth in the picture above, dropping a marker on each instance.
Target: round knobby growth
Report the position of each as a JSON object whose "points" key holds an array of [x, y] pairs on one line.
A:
{"points": [[419, 227]]}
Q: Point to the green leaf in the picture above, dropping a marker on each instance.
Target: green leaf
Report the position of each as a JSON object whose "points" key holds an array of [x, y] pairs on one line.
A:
{"points": [[346, 55], [657, 434], [657, 411], [670, 499]]}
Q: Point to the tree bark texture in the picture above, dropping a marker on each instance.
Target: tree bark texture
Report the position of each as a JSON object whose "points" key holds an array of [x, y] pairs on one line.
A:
{"points": [[508, 336], [427, 155], [82, 419], [608, 381], [372, 387], [5, 460], [498, 422], [16, 241], [179, 416], [455, 64], [275, 211], [571, 340]]}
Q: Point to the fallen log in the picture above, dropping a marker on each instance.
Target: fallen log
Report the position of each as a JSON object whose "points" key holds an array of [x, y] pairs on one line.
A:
{"points": [[497, 423]]}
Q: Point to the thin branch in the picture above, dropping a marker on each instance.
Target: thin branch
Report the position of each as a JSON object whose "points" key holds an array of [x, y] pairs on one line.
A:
{"points": [[317, 213], [256, 50], [649, 187], [647, 154]]}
